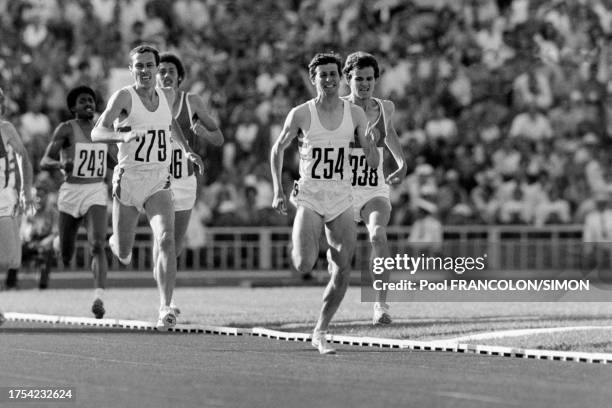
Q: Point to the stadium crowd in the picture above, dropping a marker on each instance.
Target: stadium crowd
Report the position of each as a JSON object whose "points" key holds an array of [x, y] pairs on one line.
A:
{"points": [[501, 105]]}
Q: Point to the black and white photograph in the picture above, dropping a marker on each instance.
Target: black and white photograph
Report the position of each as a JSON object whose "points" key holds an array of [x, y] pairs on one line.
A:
{"points": [[306, 203]]}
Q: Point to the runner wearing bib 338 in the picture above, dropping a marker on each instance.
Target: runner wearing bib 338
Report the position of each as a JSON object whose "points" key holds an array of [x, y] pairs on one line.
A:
{"points": [[370, 188]]}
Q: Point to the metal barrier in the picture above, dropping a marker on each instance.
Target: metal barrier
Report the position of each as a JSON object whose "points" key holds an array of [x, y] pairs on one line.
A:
{"points": [[254, 248]]}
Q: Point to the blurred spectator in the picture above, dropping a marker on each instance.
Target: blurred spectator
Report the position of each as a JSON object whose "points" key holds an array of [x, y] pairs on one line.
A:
{"points": [[553, 210], [35, 32], [452, 196], [421, 183], [225, 212], [532, 89], [440, 126], [426, 232], [515, 210], [35, 130], [483, 197], [38, 231], [531, 125], [507, 159], [597, 233], [534, 191], [401, 212], [566, 117], [201, 215], [598, 223], [596, 169]]}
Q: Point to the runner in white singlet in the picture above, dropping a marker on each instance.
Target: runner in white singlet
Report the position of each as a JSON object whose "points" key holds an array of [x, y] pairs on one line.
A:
{"points": [[139, 119], [370, 187], [197, 126], [11, 201], [325, 127]]}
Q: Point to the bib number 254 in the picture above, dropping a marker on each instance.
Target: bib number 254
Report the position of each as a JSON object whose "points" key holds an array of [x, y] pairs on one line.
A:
{"points": [[333, 162]]}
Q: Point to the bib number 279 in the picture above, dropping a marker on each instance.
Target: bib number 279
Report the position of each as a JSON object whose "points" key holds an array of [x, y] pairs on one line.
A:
{"points": [[152, 139]]}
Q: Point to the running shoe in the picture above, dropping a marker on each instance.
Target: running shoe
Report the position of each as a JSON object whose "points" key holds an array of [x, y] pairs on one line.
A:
{"points": [[115, 250], [381, 314], [319, 342], [98, 308], [167, 318]]}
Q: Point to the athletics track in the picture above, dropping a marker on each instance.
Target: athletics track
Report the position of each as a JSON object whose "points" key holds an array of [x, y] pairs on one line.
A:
{"points": [[126, 363]]}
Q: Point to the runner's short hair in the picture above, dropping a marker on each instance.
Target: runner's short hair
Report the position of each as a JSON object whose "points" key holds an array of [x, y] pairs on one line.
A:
{"points": [[323, 58], [174, 59], [141, 49], [360, 60], [74, 94]]}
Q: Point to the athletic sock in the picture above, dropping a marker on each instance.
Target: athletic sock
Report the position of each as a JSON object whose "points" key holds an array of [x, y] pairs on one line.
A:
{"points": [[98, 293], [11, 278]]}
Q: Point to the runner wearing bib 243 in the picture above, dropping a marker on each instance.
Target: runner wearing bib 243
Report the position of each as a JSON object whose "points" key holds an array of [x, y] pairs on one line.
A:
{"points": [[83, 194]]}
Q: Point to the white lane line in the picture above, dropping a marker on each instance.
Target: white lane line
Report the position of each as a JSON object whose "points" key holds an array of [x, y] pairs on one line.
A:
{"points": [[521, 332], [476, 397], [83, 357]]}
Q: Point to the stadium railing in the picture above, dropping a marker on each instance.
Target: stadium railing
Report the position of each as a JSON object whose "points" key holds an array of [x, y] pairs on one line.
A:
{"points": [[264, 249]]}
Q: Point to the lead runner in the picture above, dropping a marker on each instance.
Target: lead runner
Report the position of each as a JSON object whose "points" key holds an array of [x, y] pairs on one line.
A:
{"points": [[325, 127]]}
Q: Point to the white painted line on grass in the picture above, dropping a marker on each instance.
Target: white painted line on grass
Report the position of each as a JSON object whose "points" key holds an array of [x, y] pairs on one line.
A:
{"points": [[522, 332]]}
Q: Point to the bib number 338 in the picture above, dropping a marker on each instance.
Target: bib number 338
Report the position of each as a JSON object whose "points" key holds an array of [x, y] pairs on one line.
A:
{"points": [[363, 175]]}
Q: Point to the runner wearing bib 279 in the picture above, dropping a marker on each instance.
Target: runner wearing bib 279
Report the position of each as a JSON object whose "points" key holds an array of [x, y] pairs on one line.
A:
{"points": [[139, 119]]}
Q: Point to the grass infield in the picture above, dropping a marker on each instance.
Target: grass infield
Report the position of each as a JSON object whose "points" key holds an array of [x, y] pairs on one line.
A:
{"points": [[296, 309]]}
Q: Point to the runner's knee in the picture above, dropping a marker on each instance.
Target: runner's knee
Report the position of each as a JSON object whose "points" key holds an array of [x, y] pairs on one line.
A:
{"points": [[165, 241], [67, 251], [97, 246], [339, 259], [302, 263], [340, 276]]}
